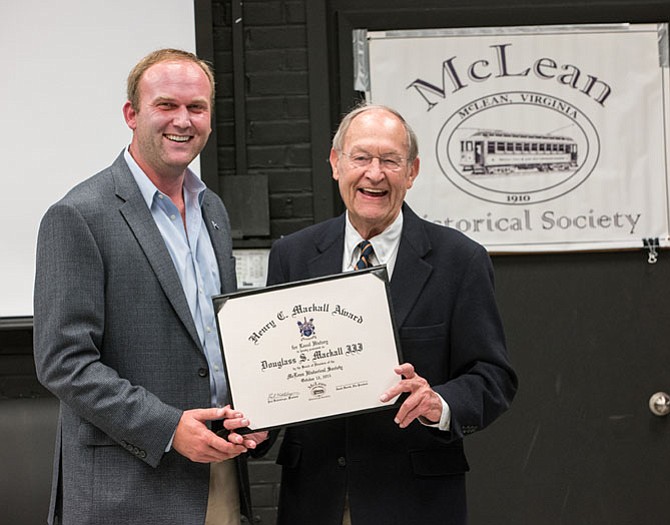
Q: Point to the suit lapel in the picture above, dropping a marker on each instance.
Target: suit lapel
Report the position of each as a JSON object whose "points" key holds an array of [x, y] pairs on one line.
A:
{"points": [[219, 235], [140, 221], [329, 247], [411, 270]]}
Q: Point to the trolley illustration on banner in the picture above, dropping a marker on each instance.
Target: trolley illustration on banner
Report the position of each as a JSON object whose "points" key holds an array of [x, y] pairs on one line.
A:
{"points": [[494, 152]]}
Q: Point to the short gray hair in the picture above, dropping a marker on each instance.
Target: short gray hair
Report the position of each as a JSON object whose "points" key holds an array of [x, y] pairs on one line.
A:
{"points": [[338, 139]]}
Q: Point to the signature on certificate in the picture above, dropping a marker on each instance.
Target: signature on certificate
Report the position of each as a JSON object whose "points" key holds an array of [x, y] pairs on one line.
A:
{"points": [[276, 397]]}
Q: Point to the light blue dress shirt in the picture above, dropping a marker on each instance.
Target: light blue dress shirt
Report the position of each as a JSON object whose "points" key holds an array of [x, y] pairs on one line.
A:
{"points": [[193, 256]]}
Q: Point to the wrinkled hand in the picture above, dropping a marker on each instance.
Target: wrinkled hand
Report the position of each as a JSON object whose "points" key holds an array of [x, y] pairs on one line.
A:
{"points": [[253, 439], [421, 402], [194, 440]]}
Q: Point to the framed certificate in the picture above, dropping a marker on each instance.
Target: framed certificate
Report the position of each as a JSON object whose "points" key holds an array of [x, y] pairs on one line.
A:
{"points": [[310, 350]]}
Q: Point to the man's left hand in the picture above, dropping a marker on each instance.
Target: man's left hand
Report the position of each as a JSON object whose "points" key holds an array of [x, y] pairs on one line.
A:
{"points": [[422, 401], [250, 441]]}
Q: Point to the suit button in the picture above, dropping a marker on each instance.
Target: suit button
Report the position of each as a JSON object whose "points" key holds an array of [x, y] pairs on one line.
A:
{"points": [[342, 462], [202, 372]]}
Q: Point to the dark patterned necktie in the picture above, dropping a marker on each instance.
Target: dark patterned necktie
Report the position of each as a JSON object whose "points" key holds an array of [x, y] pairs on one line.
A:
{"points": [[366, 253]]}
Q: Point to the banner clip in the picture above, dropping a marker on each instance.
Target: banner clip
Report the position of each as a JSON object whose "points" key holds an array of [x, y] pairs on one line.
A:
{"points": [[651, 244]]}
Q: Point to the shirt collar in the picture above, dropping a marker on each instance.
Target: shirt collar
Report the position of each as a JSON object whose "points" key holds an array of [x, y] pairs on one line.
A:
{"points": [[384, 244], [192, 183]]}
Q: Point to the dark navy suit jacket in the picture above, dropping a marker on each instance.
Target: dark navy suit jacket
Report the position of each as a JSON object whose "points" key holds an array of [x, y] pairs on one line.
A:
{"points": [[450, 330]]}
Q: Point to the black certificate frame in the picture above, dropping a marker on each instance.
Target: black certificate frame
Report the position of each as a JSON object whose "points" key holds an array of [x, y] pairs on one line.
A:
{"points": [[317, 391]]}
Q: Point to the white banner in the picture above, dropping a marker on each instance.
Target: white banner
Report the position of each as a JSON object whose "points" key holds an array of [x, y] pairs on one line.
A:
{"points": [[533, 138]]}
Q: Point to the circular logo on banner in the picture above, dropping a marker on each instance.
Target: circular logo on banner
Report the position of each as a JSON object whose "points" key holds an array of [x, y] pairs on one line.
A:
{"points": [[517, 147]]}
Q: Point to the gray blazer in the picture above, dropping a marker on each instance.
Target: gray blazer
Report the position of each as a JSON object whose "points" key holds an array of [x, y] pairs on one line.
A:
{"points": [[114, 340]]}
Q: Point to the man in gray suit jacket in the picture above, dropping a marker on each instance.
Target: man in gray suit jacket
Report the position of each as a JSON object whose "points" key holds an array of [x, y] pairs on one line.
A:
{"points": [[124, 328], [404, 467]]}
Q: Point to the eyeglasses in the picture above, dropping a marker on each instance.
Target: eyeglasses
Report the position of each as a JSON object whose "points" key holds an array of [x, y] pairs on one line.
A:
{"points": [[386, 162]]}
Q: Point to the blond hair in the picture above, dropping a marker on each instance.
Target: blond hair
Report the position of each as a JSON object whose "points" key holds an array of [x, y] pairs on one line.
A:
{"points": [[162, 55]]}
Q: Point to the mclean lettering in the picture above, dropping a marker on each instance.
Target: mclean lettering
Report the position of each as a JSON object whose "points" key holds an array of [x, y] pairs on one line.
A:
{"points": [[458, 76]]}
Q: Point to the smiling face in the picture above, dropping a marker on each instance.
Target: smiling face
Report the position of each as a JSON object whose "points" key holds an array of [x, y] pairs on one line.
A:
{"points": [[172, 122], [373, 193]]}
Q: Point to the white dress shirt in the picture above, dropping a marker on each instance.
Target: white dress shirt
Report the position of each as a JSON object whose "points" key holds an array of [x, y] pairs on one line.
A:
{"points": [[385, 246]]}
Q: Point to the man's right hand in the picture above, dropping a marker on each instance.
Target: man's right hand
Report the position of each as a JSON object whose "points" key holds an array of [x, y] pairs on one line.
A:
{"points": [[194, 440]]}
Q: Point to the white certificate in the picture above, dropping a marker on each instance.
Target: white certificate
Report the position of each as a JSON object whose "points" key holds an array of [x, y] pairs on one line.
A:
{"points": [[310, 350]]}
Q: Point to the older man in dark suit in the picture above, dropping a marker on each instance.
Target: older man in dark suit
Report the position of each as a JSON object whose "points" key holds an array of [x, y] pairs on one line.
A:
{"points": [[125, 334], [409, 467]]}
